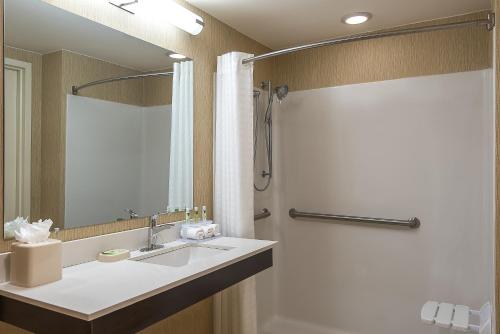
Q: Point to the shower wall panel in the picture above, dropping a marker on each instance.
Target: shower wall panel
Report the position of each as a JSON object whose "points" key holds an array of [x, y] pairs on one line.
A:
{"points": [[419, 147]]}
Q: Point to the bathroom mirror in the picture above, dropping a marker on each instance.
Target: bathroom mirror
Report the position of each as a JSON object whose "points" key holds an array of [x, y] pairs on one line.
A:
{"points": [[98, 125]]}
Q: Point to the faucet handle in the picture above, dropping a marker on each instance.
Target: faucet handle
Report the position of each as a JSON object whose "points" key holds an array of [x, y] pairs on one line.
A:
{"points": [[153, 221]]}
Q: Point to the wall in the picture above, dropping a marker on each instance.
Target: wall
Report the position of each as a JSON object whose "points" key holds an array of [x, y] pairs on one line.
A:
{"points": [[269, 199], [78, 69], [367, 61], [388, 58], [67, 69], [125, 160], [410, 147], [216, 39], [155, 169], [457, 51], [496, 54], [35, 60], [62, 70], [157, 91]]}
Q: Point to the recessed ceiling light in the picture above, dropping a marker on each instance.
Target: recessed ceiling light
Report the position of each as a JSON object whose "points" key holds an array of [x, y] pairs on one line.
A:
{"points": [[176, 56], [356, 18]]}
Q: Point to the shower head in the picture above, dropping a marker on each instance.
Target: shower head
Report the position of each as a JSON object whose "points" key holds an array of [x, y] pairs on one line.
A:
{"points": [[281, 92]]}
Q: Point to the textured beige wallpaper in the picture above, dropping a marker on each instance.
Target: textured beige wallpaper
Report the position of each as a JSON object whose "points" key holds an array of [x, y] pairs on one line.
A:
{"points": [[78, 69], [157, 90], [52, 146], [388, 58]]}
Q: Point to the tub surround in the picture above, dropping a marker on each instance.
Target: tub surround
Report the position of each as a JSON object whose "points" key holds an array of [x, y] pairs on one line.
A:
{"points": [[444, 128], [96, 297]]}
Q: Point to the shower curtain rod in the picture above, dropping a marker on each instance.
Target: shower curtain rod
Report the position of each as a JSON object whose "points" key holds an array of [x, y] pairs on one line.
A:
{"points": [[489, 23], [75, 89]]}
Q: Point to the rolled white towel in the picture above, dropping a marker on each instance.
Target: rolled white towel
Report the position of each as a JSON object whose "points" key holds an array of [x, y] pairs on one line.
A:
{"points": [[190, 232], [216, 229], [209, 230]]}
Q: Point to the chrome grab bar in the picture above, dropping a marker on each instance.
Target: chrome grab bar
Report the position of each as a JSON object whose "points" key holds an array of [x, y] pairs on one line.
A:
{"points": [[263, 214], [410, 223]]}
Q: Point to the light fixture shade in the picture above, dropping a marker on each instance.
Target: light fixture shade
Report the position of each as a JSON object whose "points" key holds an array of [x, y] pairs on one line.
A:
{"points": [[168, 10]]}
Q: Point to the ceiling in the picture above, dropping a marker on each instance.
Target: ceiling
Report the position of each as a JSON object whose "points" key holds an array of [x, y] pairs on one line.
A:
{"points": [[283, 23], [53, 29]]}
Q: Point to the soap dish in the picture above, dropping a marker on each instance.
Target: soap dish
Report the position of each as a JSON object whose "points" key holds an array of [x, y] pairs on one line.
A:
{"points": [[113, 255]]}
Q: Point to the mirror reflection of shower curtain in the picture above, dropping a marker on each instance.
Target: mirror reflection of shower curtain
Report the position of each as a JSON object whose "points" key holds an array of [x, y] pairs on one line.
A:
{"points": [[181, 142]]}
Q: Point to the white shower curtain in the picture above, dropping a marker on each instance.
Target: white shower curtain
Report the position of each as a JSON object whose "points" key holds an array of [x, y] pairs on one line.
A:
{"points": [[180, 188], [235, 308]]}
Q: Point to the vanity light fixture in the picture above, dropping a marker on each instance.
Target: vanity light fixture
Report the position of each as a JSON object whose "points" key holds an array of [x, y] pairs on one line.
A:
{"points": [[356, 18], [163, 10], [177, 56], [128, 6]]}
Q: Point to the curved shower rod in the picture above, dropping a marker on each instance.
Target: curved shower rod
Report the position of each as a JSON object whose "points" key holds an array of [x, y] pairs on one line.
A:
{"points": [[489, 23], [75, 89]]}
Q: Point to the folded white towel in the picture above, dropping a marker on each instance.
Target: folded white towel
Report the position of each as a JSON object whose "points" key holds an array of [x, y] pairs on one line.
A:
{"points": [[209, 230], [195, 233]]}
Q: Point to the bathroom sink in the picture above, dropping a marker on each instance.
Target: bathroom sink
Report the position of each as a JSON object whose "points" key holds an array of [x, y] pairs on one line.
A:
{"points": [[181, 256]]}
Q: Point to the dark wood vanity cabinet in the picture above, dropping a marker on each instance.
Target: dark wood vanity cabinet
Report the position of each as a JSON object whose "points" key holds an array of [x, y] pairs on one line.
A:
{"points": [[136, 316]]}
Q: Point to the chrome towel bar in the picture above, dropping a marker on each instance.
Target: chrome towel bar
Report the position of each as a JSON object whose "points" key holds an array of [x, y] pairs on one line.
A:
{"points": [[261, 215], [410, 223]]}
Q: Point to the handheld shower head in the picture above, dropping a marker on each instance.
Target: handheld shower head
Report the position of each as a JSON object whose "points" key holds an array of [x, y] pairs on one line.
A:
{"points": [[281, 92]]}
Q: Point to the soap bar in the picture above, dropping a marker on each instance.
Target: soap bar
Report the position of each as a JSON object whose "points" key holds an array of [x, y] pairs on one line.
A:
{"points": [[36, 264], [113, 255]]}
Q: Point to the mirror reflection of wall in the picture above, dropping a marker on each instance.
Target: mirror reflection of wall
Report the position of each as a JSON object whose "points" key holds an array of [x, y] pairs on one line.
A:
{"points": [[112, 151]]}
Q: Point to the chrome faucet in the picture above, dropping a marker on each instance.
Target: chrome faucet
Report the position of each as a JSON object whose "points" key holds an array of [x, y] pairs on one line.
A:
{"points": [[132, 214], [153, 230]]}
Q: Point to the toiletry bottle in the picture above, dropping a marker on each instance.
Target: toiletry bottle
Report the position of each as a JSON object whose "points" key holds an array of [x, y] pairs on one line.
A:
{"points": [[187, 217], [196, 215], [204, 214]]}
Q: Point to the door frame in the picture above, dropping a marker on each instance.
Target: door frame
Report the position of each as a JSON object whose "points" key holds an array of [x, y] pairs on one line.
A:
{"points": [[23, 156]]}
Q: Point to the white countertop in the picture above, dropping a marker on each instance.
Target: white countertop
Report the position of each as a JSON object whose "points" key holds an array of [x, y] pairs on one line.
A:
{"points": [[93, 289]]}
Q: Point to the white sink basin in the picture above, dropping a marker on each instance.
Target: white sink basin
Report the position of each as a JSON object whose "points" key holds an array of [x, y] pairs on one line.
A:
{"points": [[181, 256]]}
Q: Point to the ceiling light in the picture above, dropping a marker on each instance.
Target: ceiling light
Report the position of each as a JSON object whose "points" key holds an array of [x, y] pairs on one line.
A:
{"points": [[356, 18], [177, 56], [164, 10]]}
